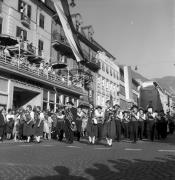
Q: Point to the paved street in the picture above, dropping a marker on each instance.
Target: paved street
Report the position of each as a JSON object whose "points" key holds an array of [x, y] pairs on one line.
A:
{"points": [[54, 160]]}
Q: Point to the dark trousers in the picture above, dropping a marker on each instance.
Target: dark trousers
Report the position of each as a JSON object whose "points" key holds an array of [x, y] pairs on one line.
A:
{"points": [[140, 129], [151, 129], [163, 127], [134, 130], [158, 130], [68, 132], [126, 130], [99, 131], [60, 134], [145, 135], [118, 130]]}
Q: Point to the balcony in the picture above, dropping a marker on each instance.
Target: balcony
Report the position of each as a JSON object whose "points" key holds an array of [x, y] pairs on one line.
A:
{"points": [[25, 20], [60, 43], [92, 63], [14, 66]]}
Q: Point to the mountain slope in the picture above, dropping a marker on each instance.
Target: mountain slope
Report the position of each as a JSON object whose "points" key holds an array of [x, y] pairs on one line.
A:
{"points": [[168, 83], [139, 77]]}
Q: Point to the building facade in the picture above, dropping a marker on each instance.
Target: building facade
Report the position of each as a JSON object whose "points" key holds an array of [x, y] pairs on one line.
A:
{"points": [[129, 88], [23, 83], [107, 83]]}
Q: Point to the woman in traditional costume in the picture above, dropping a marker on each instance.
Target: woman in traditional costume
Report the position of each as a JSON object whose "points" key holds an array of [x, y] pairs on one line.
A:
{"points": [[91, 126], [109, 130]]}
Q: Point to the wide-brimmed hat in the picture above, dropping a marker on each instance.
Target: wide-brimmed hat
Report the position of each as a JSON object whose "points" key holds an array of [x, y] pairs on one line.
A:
{"points": [[99, 107], [116, 105], [134, 106], [140, 108], [125, 111], [70, 102]]}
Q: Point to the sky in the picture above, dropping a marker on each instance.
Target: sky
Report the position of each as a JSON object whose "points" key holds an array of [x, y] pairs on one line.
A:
{"points": [[136, 32]]}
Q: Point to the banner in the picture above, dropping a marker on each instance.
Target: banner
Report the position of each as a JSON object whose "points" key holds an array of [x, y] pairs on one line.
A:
{"points": [[67, 29]]}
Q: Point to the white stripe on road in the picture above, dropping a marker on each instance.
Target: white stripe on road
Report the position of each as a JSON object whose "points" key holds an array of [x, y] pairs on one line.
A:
{"points": [[47, 145], [130, 149], [166, 150], [25, 145], [102, 148], [73, 146]]}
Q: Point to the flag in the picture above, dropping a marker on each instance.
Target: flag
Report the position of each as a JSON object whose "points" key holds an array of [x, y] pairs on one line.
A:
{"points": [[67, 29]]}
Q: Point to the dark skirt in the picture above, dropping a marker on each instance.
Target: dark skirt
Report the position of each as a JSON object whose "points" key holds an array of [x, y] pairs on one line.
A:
{"points": [[9, 127], [92, 129], [79, 125], [1, 131], [28, 129], [60, 125], [109, 130], [38, 131]]}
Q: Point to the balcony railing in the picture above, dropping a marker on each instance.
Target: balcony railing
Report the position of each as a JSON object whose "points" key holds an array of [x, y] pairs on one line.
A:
{"points": [[19, 65], [92, 62], [60, 38], [28, 47], [25, 20]]}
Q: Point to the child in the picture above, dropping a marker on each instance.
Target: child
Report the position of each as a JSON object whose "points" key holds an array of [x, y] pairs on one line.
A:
{"points": [[16, 126]]}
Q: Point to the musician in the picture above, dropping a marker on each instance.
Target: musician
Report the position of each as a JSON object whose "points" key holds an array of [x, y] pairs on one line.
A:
{"points": [[70, 118], [99, 116], [109, 130], [92, 125], [80, 115], [142, 118], [150, 118], [60, 117], [118, 118], [134, 123], [126, 122]]}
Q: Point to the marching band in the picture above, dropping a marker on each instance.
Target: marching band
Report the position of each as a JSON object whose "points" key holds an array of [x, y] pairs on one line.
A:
{"points": [[95, 123]]}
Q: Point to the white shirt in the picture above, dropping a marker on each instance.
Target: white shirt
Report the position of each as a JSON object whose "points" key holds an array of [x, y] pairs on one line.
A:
{"points": [[9, 116], [99, 114]]}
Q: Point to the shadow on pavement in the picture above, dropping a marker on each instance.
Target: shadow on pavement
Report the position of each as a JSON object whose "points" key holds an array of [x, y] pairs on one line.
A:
{"points": [[121, 169], [63, 174]]}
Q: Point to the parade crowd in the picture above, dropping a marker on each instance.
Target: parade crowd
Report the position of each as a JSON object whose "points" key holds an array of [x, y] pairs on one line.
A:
{"points": [[95, 123]]}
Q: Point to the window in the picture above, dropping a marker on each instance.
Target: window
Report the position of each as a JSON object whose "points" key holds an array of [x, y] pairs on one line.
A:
{"points": [[103, 82], [24, 8], [0, 25], [41, 21], [135, 97], [107, 84], [111, 71], [40, 47], [20, 32], [103, 66], [122, 90], [107, 69]]}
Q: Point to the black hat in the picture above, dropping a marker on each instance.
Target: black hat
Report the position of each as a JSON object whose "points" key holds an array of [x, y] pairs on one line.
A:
{"points": [[140, 108], [126, 111], [116, 105], [70, 102], [98, 107], [80, 106], [134, 106]]}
